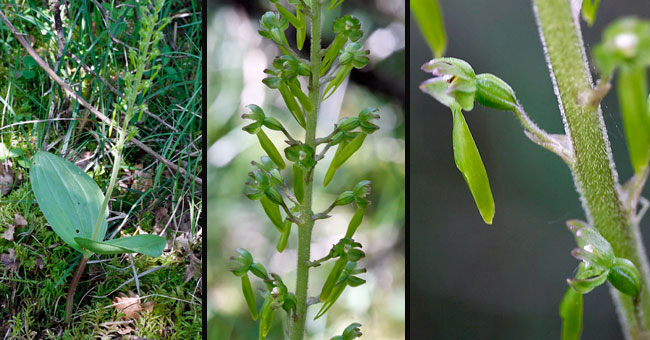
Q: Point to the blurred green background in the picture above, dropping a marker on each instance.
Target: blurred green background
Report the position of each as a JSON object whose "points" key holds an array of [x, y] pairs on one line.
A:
{"points": [[236, 58], [505, 281]]}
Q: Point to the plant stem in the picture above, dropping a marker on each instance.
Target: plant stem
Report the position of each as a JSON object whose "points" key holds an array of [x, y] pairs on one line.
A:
{"points": [[593, 171], [306, 213], [73, 288], [135, 86]]}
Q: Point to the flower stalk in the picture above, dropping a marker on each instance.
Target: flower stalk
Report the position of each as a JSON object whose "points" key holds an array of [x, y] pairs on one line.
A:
{"points": [[594, 173]]}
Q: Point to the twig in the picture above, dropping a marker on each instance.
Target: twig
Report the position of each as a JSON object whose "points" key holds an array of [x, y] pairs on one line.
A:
{"points": [[149, 271], [73, 288], [558, 144], [21, 38], [107, 17], [318, 262], [324, 214], [135, 275]]}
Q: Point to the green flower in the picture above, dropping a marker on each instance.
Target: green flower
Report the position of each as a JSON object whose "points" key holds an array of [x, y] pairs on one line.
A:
{"points": [[625, 42], [348, 26], [455, 82]]}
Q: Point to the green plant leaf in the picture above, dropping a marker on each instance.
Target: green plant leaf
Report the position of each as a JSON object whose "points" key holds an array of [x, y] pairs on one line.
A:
{"points": [[68, 197], [298, 183], [272, 210], [266, 319], [270, 149], [29, 61], [249, 296], [28, 74], [284, 238], [429, 18], [469, 162], [589, 9], [148, 244], [632, 93], [571, 314], [355, 222]]}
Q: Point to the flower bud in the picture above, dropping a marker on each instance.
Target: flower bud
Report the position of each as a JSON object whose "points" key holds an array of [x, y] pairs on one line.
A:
{"points": [[272, 123], [338, 138], [493, 92], [289, 302], [344, 198], [625, 277], [274, 195], [348, 123], [258, 270], [355, 254], [272, 82]]}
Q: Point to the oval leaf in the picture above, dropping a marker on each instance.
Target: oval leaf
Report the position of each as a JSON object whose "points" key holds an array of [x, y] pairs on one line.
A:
{"points": [[469, 162], [68, 197], [148, 244]]}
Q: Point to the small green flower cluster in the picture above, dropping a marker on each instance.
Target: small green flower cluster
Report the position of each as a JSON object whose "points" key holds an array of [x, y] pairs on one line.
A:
{"points": [[286, 204]]}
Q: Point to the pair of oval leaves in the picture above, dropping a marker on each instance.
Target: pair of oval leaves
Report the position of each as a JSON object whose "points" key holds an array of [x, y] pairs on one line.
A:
{"points": [[71, 202]]}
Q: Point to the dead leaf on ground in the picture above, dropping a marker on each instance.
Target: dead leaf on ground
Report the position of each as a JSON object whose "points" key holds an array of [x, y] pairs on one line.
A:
{"points": [[160, 219], [193, 269], [131, 305], [143, 179], [9, 261], [6, 178], [119, 327], [19, 220], [125, 330], [9, 233]]}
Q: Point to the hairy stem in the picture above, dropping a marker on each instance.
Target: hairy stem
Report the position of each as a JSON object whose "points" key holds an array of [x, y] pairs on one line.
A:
{"points": [[73, 288], [593, 171], [307, 223]]}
